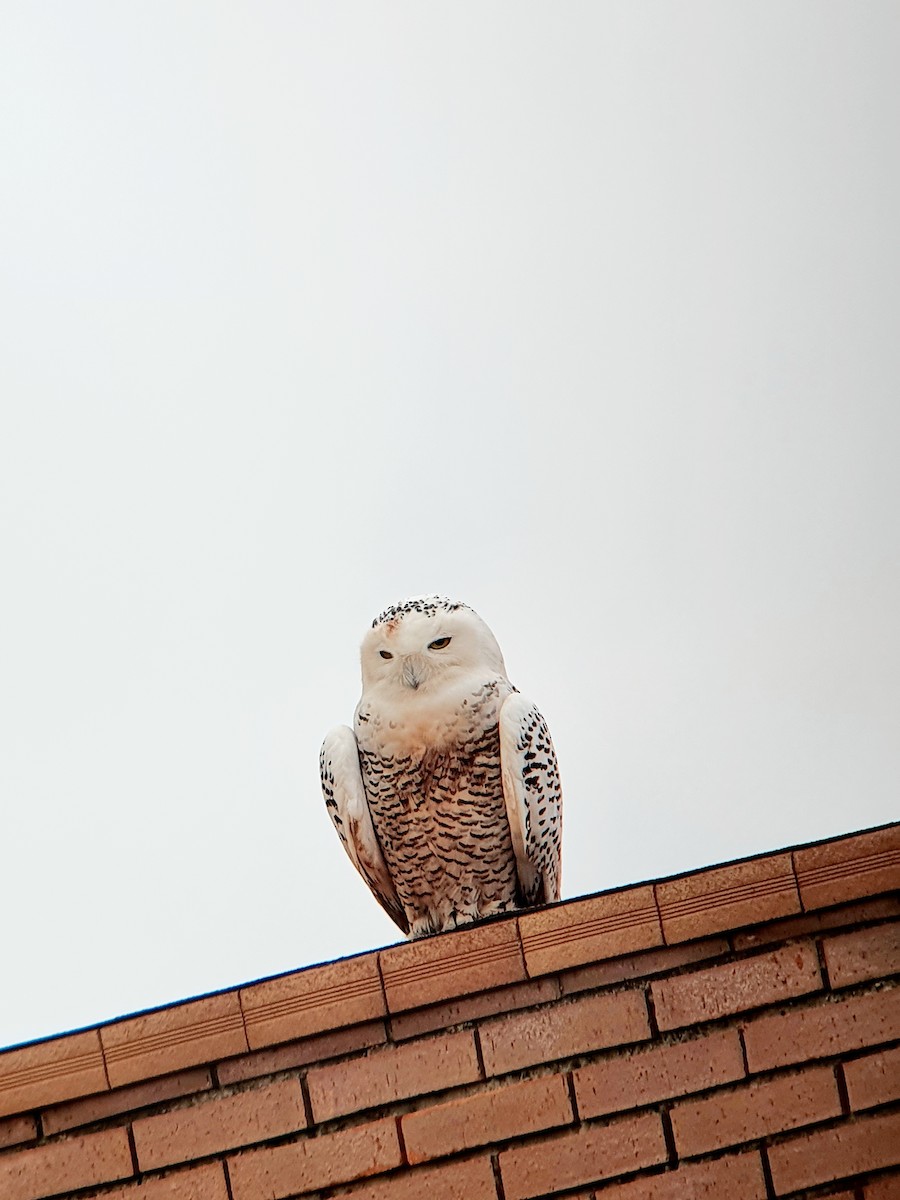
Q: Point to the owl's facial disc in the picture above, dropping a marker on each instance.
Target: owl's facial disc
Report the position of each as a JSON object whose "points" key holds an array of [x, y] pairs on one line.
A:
{"points": [[426, 651]]}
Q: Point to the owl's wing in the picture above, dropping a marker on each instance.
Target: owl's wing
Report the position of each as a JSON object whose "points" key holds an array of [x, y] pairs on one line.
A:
{"points": [[345, 799], [533, 798]]}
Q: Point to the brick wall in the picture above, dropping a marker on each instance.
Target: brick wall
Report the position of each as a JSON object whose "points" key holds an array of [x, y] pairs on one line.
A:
{"points": [[734, 1032]]}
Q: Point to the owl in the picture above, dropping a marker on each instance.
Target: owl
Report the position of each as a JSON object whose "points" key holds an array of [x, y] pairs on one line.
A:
{"points": [[445, 793]]}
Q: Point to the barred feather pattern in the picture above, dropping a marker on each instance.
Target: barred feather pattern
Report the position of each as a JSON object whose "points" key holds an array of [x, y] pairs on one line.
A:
{"points": [[439, 814], [532, 760]]}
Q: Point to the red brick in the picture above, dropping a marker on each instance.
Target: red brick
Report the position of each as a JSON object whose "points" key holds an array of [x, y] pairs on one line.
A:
{"points": [[393, 1073], [849, 868], [300, 1054], [829, 1155], [640, 966], [50, 1071], [221, 1124], [649, 1075], [755, 1110], [585, 931], [492, 1116], [727, 897], [865, 954], [469, 1180], [471, 1008], [874, 1079], [885, 1188], [127, 1099], [738, 1175], [185, 1035], [456, 964], [16, 1130], [196, 1183], [828, 1027], [563, 1030], [584, 1155], [65, 1166], [313, 1001], [320, 1162], [733, 987], [816, 922]]}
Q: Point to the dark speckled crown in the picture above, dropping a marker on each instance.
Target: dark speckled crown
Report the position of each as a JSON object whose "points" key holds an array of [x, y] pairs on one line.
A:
{"points": [[426, 605]]}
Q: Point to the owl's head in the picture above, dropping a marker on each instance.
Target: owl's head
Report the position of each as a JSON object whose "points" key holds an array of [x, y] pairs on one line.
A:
{"points": [[427, 643]]}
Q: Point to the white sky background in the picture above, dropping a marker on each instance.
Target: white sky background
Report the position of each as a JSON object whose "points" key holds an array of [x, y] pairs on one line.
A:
{"points": [[586, 314]]}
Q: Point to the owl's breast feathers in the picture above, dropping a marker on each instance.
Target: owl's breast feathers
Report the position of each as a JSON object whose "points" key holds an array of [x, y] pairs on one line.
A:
{"points": [[462, 773], [429, 762], [435, 793], [422, 730]]}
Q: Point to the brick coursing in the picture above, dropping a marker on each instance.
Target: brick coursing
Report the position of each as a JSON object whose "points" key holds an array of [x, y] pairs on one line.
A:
{"points": [[734, 1032]]}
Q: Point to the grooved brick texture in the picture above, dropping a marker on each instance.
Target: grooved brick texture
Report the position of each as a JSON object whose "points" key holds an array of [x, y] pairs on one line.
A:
{"points": [[588, 931], [848, 868], [457, 964], [711, 901], [688, 1038], [312, 1001], [51, 1071], [184, 1036]]}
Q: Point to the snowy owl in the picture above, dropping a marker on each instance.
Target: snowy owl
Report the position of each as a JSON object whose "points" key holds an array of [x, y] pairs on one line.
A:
{"points": [[445, 794]]}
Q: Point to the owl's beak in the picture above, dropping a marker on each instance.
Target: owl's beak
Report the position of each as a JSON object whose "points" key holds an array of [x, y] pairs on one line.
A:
{"points": [[411, 676]]}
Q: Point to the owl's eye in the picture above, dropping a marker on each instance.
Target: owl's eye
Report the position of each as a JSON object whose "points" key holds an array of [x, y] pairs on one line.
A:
{"points": [[439, 643], [385, 654]]}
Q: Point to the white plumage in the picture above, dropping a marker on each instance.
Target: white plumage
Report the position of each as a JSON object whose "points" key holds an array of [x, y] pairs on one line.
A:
{"points": [[446, 791]]}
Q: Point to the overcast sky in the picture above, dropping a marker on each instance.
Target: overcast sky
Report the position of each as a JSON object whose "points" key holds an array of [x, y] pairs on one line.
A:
{"points": [[583, 313]]}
